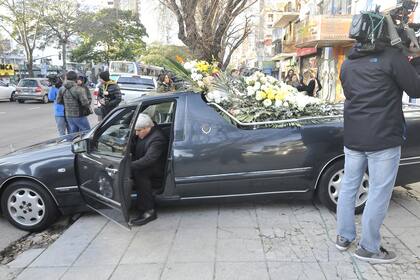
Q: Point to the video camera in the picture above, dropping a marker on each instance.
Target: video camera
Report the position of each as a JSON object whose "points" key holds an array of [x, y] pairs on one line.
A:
{"points": [[55, 80], [374, 30]]}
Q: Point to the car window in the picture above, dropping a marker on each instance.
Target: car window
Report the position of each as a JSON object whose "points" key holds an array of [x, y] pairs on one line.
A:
{"points": [[112, 137], [28, 83], [161, 113], [44, 83], [136, 81]]}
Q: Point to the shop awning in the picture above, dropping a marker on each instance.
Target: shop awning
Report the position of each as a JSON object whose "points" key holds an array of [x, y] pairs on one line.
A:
{"points": [[283, 56], [285, 18]]}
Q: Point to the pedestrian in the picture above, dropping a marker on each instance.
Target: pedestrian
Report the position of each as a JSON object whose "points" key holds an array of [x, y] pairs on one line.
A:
{"points": [[149, 152], [374, 130], [165, 83], [109, 95], [295, 81], [312, 84], [60, 118], [289, 76], [82, 82], [76, 103]]}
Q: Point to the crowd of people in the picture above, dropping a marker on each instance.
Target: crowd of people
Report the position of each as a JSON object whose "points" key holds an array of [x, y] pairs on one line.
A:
{"points": [[73, 99], [309, 83]]}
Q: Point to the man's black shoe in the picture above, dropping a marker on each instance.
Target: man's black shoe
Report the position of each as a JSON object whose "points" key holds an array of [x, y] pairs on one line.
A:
{"points": [[148, 216]]}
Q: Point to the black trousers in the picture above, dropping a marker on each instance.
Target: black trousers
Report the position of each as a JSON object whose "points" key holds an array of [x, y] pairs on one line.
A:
{"points": [[143, 185]]}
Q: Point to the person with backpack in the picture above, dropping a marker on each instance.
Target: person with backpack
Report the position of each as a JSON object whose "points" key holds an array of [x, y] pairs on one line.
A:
{"points": [[76, 103]]}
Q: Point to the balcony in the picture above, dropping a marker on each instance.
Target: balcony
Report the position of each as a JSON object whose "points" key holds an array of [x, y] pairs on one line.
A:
{"points": [[323, 31], [283, 19]]}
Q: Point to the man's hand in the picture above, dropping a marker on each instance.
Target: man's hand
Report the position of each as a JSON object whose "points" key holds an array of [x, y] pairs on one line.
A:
{"points": [[414, 52]]}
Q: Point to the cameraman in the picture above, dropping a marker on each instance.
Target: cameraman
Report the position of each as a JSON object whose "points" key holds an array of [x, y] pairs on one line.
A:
{"points": [[60, 119], [374, 130]]}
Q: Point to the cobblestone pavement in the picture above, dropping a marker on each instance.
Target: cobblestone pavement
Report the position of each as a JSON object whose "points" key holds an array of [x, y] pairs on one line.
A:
{"points": [[273, 240]]}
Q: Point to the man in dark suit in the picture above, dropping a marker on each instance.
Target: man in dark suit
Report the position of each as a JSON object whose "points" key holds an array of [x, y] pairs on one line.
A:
{"points": [[149, 157]]}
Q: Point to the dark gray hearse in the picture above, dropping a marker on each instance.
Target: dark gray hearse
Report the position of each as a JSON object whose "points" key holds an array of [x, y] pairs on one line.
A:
{"points": [[211, 156]]}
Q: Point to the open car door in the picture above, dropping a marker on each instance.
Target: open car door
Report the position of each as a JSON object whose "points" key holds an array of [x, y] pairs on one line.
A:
{"points": [[102, 166]]}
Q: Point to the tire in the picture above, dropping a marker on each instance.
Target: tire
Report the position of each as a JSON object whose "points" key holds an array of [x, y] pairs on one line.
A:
{"points": [[28, 206], [12, 97], [21, 101], [45, 99], [329, 188]]}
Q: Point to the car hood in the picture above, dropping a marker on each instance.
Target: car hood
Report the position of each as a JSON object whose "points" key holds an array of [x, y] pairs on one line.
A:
{"points": [[51, 148]]}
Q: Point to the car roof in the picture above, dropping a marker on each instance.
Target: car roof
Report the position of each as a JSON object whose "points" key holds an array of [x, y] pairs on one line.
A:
{"points": [[157, 96]]}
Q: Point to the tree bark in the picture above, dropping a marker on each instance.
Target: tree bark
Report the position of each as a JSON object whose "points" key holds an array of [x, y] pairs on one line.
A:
{"points": [[30, 65], [64, 53]]}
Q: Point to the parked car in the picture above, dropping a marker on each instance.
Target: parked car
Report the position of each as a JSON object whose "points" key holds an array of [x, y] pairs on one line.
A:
{"points": [[7, 91], [135, 86], [211, 156], [32, 89]]}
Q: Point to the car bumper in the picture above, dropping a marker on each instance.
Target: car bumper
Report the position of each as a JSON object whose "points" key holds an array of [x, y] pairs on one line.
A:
{"points": [[29, 97]]}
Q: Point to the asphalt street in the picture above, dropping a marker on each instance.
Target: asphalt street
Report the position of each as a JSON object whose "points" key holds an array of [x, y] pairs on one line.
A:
{"points": [[22, 125]]}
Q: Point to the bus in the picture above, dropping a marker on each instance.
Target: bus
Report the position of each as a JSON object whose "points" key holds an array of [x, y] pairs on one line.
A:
{"points": [[117, 68]]}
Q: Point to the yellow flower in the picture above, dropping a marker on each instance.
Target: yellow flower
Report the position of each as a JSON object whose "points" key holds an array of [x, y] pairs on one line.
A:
{"points": [[202, 66], [281, 95], [179, 59]]}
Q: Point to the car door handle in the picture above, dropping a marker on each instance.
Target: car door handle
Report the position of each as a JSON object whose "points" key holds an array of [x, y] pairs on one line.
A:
{"points": [[111, 170]]}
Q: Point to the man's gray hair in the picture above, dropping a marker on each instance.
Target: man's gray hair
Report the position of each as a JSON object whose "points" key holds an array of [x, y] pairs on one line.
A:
{"points": [[143, 120]]}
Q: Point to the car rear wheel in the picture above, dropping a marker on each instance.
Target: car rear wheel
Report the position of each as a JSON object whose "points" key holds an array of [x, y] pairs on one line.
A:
{"points": [[12, 97], [28, 206], [45, 99], [330, 184], [21, 101]]}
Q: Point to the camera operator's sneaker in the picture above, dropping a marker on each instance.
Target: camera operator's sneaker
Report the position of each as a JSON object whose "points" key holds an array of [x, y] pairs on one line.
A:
{"points": [[342, 244], [383, 256]]}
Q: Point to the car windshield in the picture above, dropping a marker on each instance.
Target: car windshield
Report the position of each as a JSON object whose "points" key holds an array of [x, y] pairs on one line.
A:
{"points": [[137, 81], [28, 83]]}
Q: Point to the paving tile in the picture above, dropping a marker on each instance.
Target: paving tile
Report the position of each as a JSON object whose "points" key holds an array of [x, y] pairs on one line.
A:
{"points": [[286, 245], [73, 241], [241, 271], [107, 248], [44, 273], [295, 270], [149, 247], [194, 245], [237, 215], [398, 217], [238, 233], [275, 215], [167, 219], [26, 258], [8, 273], [88, 273], [137, 272], [200, 217], [349, 270], [235, 250], [188, 271]]}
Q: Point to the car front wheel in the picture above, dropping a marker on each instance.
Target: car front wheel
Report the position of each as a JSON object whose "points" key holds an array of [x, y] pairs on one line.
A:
{"points": [[28, 206], [12, 97], [330, 184]]}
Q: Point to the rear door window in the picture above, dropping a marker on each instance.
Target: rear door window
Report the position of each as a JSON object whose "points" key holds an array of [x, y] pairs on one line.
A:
{"points": [[28, 83]]}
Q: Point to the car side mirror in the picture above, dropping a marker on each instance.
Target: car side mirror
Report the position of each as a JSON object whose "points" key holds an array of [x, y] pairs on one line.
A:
{"points": [[80, 146]]}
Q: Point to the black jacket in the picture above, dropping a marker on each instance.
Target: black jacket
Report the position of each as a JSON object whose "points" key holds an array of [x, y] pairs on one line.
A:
{"points": [[112, 99], [150, 152], [373, 86]]}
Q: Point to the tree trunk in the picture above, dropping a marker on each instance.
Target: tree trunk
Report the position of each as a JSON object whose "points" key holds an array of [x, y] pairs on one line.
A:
{"points": [[30, 65], [64, 53]]}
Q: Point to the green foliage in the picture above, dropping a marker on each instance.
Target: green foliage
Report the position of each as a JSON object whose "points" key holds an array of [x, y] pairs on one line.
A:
{"points": [[110, 34], [156, 54]]}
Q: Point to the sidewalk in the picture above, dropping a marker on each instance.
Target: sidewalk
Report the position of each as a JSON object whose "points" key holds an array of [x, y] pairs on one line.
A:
{"points": [[276, 240]]}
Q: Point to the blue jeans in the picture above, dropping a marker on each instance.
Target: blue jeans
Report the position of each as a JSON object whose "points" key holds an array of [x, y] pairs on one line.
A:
{"points": [[383, 168], [78, 124], [62, 125]]}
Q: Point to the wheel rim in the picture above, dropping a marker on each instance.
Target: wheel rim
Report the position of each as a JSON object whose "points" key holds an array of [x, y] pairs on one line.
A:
{"points": [[334, 187], [26, 207]]}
